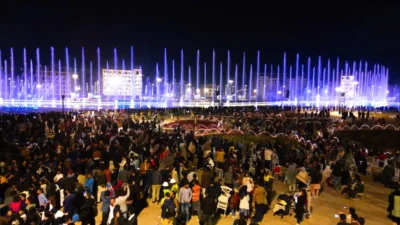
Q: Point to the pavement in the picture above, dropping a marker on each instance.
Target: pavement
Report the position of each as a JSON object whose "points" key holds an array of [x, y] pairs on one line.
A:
{"points": [[372, 208]]}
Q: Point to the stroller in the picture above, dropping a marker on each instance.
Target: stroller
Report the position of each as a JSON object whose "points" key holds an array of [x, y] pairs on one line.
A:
{"points": [[284, 205]]}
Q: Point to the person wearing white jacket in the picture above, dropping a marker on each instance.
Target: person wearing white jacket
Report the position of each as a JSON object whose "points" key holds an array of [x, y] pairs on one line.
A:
{"points": [[244, 205]]}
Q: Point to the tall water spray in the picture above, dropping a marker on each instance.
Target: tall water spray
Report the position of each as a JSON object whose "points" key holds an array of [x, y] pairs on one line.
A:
{"points": [[158, 83], [60, 87], [83, 72], [3, 79], [182, 74], [250, 82], [99, 83], [284, 75], [243, 91], [198, 73], [220, 84], [173, 79], [228, 75], [25, 91], [68, 74], [165, 82], [190, 85], [52, 85], [31, 86], [236, 82], [132, 75], [257, 90], [205, 80], [264, 85], [12, 75], [213, 88], [38, 81], [91, 77]]}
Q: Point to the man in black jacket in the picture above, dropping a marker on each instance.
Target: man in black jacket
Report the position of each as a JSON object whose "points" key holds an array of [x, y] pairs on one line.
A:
{"points": [[208, 207]]}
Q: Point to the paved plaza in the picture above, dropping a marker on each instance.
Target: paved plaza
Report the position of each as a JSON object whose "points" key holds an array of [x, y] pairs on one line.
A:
{"points": [[372, 208]]}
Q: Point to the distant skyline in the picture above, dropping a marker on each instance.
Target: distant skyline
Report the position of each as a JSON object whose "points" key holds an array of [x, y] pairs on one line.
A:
{"points": [[357, 32]]}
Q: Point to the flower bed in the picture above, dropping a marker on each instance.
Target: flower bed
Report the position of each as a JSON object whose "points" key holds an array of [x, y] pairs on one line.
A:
{"points": [[190, 124]]}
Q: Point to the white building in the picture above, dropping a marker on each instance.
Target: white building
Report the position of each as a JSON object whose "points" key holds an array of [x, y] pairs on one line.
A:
{"points": [[45, 86], [122, 83]]}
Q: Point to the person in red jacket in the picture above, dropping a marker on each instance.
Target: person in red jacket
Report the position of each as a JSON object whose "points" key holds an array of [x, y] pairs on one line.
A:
{"points": [[234, 203]]}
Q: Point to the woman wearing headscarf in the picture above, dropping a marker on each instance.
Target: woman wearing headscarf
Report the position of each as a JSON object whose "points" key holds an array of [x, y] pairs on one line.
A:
{"points": [[326, 173], [290, 177], [302, 178]]}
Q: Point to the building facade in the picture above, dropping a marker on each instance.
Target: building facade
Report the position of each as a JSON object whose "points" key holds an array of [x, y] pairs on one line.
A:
{"points": [[46, 87], [123, 83]]}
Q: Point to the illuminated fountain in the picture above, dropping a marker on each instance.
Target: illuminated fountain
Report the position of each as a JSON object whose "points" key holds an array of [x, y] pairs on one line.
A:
{"points": [[292, 82]]}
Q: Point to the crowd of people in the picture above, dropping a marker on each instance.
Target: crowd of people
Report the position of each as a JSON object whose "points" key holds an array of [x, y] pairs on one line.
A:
{"points": [[56, 168]]}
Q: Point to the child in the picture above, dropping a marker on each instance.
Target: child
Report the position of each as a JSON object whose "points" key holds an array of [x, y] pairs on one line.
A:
{"points": [[234, 202], [277, 170]]}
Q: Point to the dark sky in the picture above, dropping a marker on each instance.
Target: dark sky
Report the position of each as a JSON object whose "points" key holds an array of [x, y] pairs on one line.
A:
{"points": [[352, 32]]}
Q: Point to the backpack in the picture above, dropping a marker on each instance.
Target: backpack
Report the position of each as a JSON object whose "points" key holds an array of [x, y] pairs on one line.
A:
{"points": [[170, 210]]}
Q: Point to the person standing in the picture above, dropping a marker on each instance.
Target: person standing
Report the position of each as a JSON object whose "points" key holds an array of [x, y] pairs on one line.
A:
{"points": [[196, 191], [168, 210], [316, 179], [208, 208], [300, 205], [268, 184], [121, 200], [89, 184], [185, 196], [260, 199], [156, 180], [268, 158], [205, 180], [290, 178], [337, 174], [394, 205]]}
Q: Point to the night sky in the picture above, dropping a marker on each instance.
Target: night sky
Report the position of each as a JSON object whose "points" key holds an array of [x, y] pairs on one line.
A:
{"points": [[351, 32]]}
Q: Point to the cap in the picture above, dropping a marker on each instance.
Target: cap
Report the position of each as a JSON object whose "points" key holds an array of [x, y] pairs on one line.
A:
{"points": [[172, 181], [165, 184]]}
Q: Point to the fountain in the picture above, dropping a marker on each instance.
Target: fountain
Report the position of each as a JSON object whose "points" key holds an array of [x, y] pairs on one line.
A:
{"points": [[236, 82], [205, 80], [297, 83], [197, 73], [213, 78], [165, 83], [83, 74], [257, 90]]}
